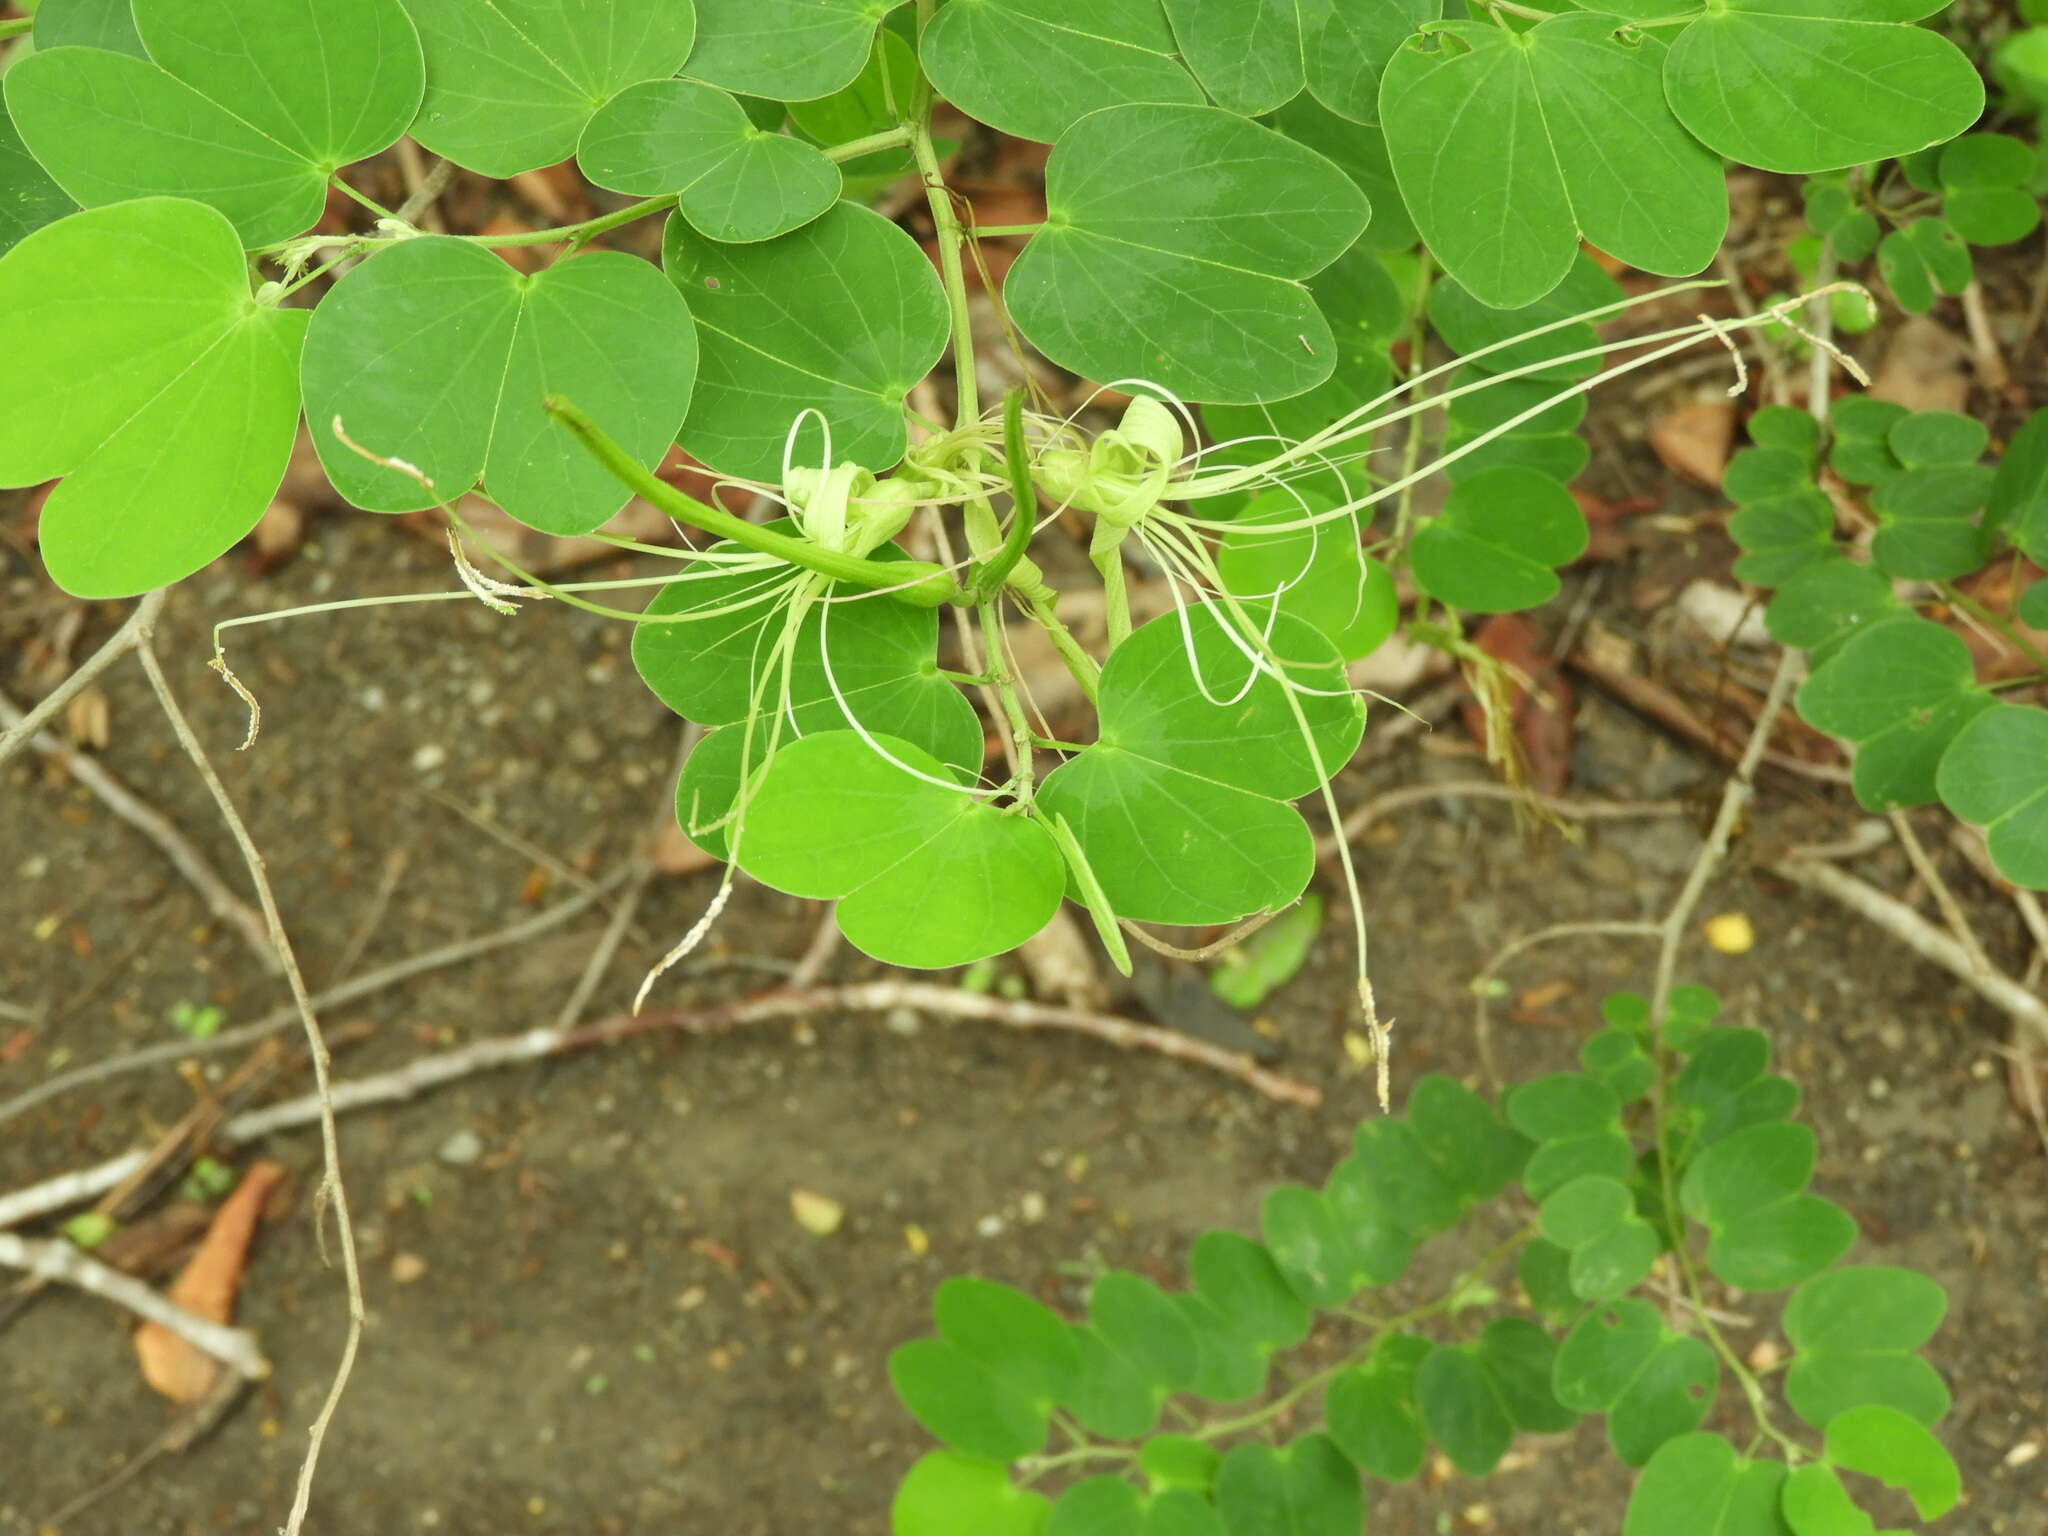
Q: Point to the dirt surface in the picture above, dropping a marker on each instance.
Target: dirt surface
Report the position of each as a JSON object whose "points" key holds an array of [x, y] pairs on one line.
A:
{"points": [[591, 1310]]}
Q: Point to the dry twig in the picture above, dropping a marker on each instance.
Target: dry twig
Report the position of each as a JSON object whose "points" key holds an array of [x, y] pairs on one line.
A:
{"points": [[140, 625]]}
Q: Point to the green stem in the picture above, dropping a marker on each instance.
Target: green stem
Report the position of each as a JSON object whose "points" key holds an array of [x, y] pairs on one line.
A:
{"points": [[916, 582], [16, 27], [998, 231], [1108, 560], [366, 201], [853, 149], [1040, 599], [1006, 690], [1034, 1467], [990, 577]]}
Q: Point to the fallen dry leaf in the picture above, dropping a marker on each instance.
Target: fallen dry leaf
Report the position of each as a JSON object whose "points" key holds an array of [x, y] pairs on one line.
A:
{"points": [[89, 718], [1731, 933], [1693, 440], [1542, 725], [181, 1371], [819, 1215]]}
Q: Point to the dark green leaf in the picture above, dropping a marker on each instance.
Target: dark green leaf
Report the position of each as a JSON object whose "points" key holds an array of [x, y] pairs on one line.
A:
{"points": [[1824, 604], [1470, 326], [1303, 1488], [1653, 1384], [1496, 544], [1518, 1356], [1239, 1277], [1901, 690], [1861, 426], [1311, 1249], [1928, 522], [1748, 1192], [1462, 1410]]}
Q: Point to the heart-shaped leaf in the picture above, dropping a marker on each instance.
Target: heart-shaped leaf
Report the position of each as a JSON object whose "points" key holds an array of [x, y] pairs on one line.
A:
{"points": [[1371, 1410], [1576, 1122], [841, 318], [1653, 1384], [1128, 280], [139, 367], [1034, 68], [511, 84], [1503, 142], [1869, 86], [1303, 1488], [436, 352], [1348, 44], [732, 181], [1317, 575], [1497, 543], [1748, 1191], [1853, 1333], [1612, 1247], [1697, 1486], [1248, 56], [248, 119], [1192, 739]]}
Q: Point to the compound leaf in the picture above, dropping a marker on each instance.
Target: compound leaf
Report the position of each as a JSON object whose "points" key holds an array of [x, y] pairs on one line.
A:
{"points": [[140, 368], [731, 180], [436, 352], [1795, 85], [1129, 278], [925, 876], [1853, 1332], [785, 50], [511, 84], [841, 318]]}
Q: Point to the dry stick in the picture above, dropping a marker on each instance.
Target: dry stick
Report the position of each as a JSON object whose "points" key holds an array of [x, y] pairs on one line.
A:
{"points": [[810, 966], [332, 997], [1944, 898], [1917, 934], [223, 903], [1355, 822], [56, 1259], [1209, 951], [141, 623], [330, 1185]]}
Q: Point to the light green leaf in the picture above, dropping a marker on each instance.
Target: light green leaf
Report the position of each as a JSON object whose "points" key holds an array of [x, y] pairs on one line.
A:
{"points": [[1317, 575], [1986, 198], [601, 329], [1861, 426], [1028, 1349], [511, 83], [1308, 1244], [88, 24], [1098, 1506], [925, 876], [1034, 68], [1827, 602], [1901, 690], [1247, 55], [946, 1491], [139, 367], [1853, 1333], [1510, 146], [1348, 43], [786, 50], [964, 1404], [1816, 1504], [875, 101], [1142, 1324], [1652, 1383], [1896, 1449], [1697, 1486], [1303, 1488], [29, 199], [733, 181], [1995, 775], [1128, 280], [1413, 1191], [1748, 1191], [1612, 1247], [842, 318], [1358, 1195], [1246, 974], [1496, 545], [1793, 85], [1179, 1461], [1183, 803], [250, 120]]}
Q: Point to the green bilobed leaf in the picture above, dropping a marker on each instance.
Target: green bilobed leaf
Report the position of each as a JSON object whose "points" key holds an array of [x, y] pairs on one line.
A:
{"points": [[1348, 44], [947, 1492], [1995, 775], [1815, 1503], [1303, 1488], [1317, 575], [1239, 1277], [28, 198], [139, 367], [1518, 1356], [842, 318], [1097, 1506], [88, 24], [1824, 604], [436, 352], [250, 120], [1576, 1122], [1725, 1087], [1034, 68], [1748, 1191], [1504, 145], [1021, 1342], [962, 1403], [1360, 152], [1462, 1411], [1697, 1486], [1129, 279], [1794, 85], [1141, 1323], [1248, 55], [1922, 260], [1168, 759], [1612, 1247], [925, 876], [511, 84], [1984, 179], [1545, 1272], [1496, 545], [1466, 325], [1110, 1396], [1862, 425], [1900, 690], [732, 181], [1928, 527], [1356, 1192], [1617, 1058], [1687, 1013], [1938, 440], [1896, 1449], [786, 50], [1783, 535], [1308, 1244], [1787, 427], [1229, 1367], [1371, 1410], [2019, 493], [1853, 1332], [1653, 1384], [1478, 1155], [1411, 1189]]}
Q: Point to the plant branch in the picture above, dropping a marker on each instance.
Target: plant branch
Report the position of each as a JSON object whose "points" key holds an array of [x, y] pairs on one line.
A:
{"points": [[141, 624], [331, 1186], [853, 149]]}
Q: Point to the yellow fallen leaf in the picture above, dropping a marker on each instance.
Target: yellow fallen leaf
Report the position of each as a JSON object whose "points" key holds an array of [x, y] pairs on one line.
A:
{"points": [[817, 1214], [1731, 933], [915, 1240]]}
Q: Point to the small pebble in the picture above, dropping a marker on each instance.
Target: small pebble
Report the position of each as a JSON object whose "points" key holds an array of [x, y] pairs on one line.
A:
{"points": [[1031, 1206], [903, 1021], [1731, 933], [407, 1267], [819, 1215], [990, 1226], [462, 1149], [429, 757]]}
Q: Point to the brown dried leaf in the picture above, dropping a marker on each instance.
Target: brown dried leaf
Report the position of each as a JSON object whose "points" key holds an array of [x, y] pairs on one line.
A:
{"points": [[181, 1371], [1693, 440], [1925, 367]]}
